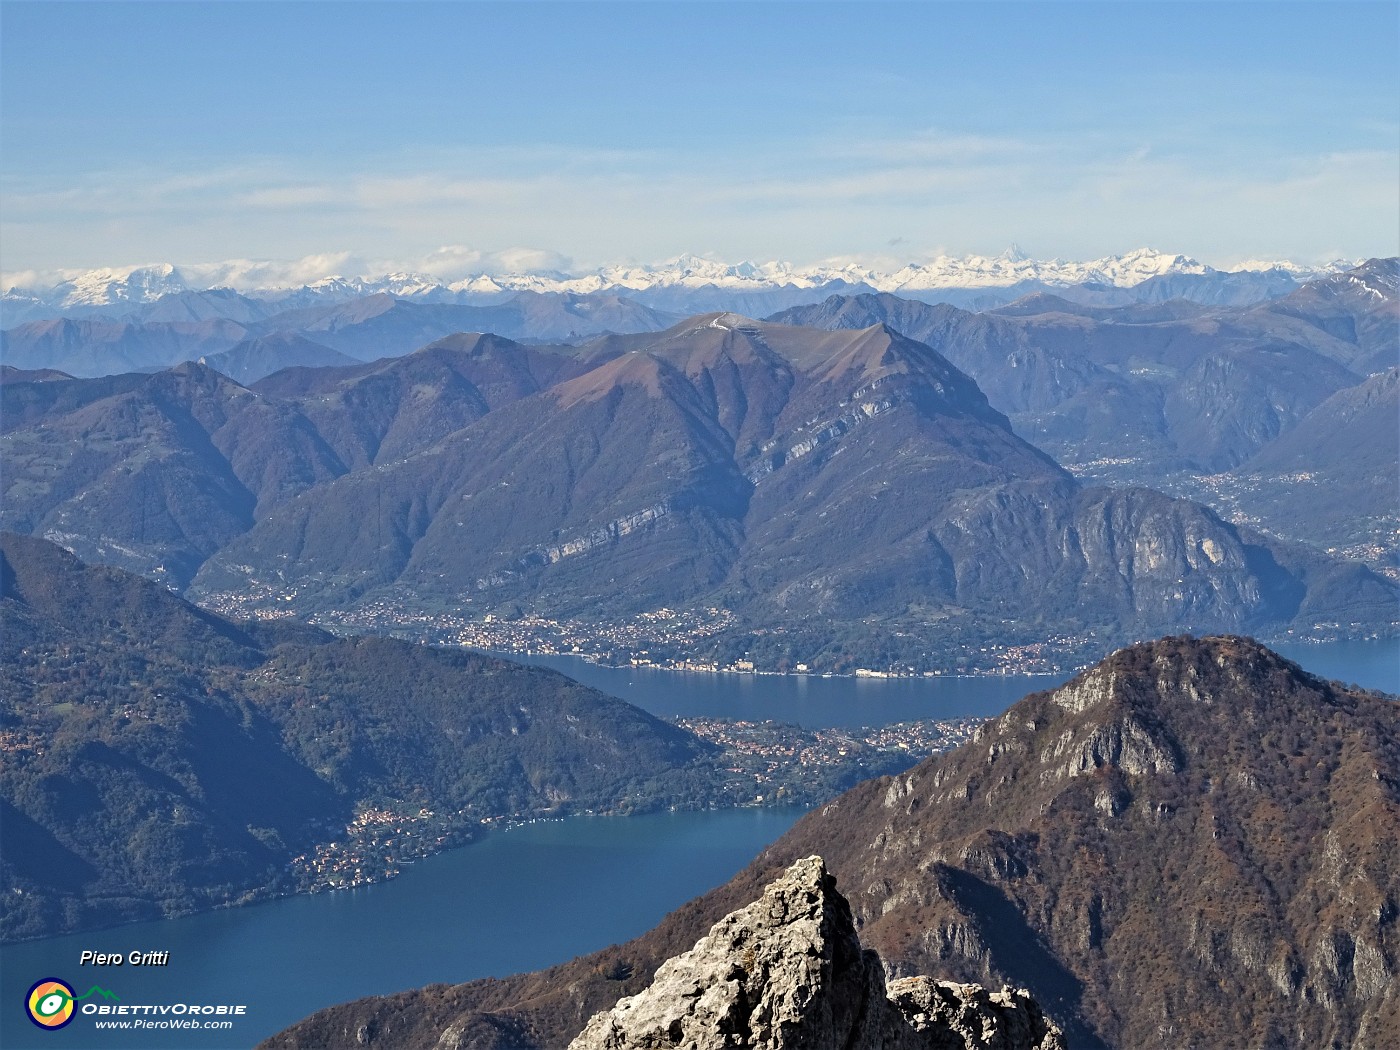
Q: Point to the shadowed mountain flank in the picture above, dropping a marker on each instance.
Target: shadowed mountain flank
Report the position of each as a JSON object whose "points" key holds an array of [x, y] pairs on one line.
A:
{"points": [[160, 759]]}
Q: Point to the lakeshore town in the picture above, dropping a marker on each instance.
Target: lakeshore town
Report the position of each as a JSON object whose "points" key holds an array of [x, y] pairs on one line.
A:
{"points": [[665, 639], [674, 639], [761, 764], [654, 639]]}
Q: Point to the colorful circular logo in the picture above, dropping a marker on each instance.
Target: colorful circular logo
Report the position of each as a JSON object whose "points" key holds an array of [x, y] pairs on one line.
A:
{"points": [[50, 1003]]}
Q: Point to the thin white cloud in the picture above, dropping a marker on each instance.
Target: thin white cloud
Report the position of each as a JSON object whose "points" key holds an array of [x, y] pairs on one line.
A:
{"points": [[277, 198], [244, 274], [930, 191], [930, 146]]}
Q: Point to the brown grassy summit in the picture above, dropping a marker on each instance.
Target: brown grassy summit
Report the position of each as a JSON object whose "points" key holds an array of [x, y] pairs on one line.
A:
{"points": [[1190, 844], [1193, 839]]}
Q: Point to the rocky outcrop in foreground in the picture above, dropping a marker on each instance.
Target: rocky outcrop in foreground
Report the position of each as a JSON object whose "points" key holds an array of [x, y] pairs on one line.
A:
{"points": [[788, 971]]}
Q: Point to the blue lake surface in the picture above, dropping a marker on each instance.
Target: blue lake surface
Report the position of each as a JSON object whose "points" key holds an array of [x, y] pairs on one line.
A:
{"points": [[517, 900], [1372, 664], [817, 702], [807, 700]]}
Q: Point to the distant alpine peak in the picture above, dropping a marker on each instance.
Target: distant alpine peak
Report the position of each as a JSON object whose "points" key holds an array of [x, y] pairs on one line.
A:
{"points": [[1010, 268], [122, 285], [138, 284]]}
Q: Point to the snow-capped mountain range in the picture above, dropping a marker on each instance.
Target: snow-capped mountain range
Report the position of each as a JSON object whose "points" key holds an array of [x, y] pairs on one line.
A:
{"points": [[127, 286]]}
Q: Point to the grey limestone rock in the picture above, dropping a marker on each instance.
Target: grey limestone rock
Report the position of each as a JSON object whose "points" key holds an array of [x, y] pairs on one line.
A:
{"points": [[788, 973], [969, 1017]]}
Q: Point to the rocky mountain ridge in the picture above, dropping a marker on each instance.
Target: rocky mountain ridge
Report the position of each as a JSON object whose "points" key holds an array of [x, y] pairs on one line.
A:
{"points": [[258, 343], [367, 321], [1191, 399]]}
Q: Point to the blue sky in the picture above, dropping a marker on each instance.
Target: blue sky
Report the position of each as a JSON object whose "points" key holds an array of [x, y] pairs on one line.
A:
{"points": [[466, 136]]}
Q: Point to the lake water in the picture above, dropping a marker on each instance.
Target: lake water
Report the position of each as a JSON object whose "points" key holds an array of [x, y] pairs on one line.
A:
{"points": [[517, 900], [1373, 664], [817, 702], [807, 700]]}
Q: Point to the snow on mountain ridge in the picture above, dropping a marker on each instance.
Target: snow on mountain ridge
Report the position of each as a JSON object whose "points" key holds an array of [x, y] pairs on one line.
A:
{"points": [[143, 284], [138, 284]]}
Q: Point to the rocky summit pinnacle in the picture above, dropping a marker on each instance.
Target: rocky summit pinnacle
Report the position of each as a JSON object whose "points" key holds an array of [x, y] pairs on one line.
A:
{"points": [[788, 971]]}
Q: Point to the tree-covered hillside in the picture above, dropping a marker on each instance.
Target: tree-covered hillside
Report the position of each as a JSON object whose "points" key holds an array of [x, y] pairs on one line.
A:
{"points": [[158, 759]]}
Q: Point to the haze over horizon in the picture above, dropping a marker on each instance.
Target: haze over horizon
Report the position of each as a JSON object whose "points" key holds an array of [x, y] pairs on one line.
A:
{"points": [[544, 136]]}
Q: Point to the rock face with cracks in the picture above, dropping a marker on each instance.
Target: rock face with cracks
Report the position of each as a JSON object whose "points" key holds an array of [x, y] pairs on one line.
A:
{"points": [[788, 972]]}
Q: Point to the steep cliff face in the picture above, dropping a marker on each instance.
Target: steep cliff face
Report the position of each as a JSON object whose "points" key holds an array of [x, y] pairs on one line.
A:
{"points": [[788, 971]]}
